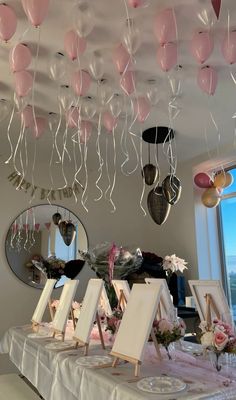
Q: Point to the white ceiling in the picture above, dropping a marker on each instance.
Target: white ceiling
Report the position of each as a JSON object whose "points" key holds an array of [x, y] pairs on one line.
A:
{"points": [[110, 15]]}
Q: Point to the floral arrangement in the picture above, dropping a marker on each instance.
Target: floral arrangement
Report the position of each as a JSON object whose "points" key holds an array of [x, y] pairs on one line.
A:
{"points": [[52, 268], [174, 264], [113, 322], [110, 261], [167, 332], [219, 338]]}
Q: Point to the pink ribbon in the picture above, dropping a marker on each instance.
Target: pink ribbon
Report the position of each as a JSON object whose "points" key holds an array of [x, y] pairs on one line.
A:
{"points": [[111, 261]]}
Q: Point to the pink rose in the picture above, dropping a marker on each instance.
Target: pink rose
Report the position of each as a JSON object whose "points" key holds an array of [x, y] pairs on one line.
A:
{"points": [[165, 326], [220, 339]]}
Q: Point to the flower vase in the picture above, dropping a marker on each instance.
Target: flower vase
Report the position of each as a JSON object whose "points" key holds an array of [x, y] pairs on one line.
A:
{"points": [[170, 351], [215, 357]]}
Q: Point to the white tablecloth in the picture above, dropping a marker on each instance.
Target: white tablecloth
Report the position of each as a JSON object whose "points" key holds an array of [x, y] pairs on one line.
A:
{"points": [[57, 376]]}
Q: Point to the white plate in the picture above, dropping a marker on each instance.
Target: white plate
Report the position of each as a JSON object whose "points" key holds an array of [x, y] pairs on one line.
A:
{"points": [[39, 335], [161, 384], [59, 345], [193, 348], [93, 361]]}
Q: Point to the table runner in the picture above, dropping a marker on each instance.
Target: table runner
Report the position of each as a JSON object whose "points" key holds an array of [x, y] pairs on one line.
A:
{"points": [[56, 375]]}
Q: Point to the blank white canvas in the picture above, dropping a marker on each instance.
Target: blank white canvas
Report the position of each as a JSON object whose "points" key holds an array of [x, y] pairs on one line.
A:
{"points": [[88, 311], [200, 288], [43, 301], [65, 302], [121, 285], [104, 302], [166, 303], [136, 324]]}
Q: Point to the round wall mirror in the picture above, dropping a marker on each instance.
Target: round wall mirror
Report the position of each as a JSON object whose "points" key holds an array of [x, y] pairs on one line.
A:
{"points": [[43, 242]]}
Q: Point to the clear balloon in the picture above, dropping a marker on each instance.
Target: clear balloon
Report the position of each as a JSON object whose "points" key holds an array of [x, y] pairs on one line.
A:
{"points": [[58, 67], [52, 120], [65, 97], [96, 65], [206, 15], [5, 108], [83, 18], [153, 94], [88, 108], [27, 116], [131, 36], [116, 105], [105, 93], [176, 78]]}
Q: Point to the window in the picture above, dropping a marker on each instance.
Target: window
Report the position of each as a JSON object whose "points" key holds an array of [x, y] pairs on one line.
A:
{"points": [[227, 214]]}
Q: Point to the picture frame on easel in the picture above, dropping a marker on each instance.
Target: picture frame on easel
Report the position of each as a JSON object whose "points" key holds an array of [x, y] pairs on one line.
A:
{"points": [[43, 303], [122, 291], [210, 300], [166, 307]]}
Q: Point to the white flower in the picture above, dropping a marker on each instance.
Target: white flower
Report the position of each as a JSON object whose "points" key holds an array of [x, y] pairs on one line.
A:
{"points": [[207, 339], [173, 263]]}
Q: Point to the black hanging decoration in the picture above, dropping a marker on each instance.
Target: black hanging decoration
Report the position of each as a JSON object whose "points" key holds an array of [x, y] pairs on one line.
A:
{"points": [[171, 188], [149, 171], [56, 218], [67, 231], [158, 207]]}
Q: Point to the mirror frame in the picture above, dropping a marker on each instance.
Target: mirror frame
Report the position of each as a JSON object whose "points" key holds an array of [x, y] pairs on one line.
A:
{"points": [[9, 229]]}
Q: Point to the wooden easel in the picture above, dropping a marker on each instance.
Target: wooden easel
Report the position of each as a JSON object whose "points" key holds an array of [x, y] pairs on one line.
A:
{"points": [[210, 305], [122, 301], [80, 343]]}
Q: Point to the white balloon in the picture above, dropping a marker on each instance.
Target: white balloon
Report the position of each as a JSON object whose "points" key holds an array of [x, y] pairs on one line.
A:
{"points": [[176, 80], [88, 108], [131, 36], [66, 97], [206, 15], [105, 93], [116, 105], [153, 95], [96, 65], [58, 67], [83, 18]]}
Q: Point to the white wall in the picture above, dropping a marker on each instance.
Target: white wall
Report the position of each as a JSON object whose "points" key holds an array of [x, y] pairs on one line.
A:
{"points": [[127, 226]]}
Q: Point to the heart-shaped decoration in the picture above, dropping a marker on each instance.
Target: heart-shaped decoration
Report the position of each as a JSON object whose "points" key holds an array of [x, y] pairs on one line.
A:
{"points": [[150, 173], [56, 218], [171, 189], [158, 207], [67, 231]]}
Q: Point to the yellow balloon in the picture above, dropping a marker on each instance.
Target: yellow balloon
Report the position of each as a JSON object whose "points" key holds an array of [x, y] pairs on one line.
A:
{"points": [[211, 197], [223, 179]]}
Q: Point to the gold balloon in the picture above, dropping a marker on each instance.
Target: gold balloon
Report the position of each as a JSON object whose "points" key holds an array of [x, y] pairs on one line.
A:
{"points": [[223, 179], [211, 197]]}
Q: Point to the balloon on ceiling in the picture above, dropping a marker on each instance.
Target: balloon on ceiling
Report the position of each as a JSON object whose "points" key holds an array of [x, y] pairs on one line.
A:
{"points": [[89, 98]]}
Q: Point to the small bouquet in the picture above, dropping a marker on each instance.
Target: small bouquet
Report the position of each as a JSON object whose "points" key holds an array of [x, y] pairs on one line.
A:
{"points": [[174, 264], [218, 338], [110, 261], [113, 321], [167, 332]]}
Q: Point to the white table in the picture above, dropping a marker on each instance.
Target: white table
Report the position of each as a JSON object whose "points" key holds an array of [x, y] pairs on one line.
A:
{"points": [[57, 376]]}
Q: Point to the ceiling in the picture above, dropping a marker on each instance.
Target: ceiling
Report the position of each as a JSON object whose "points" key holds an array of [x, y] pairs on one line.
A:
{"points": [[197, 110]]}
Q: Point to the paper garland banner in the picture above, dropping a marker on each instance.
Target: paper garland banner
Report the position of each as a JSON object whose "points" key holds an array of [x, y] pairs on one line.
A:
{"points": [[54, 195]]}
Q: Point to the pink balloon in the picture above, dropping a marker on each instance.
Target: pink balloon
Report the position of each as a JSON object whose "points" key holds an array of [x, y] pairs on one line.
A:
{"points": [[109, 121], [74, 45], [229, 47], [73, 117], [202, 46], [39, 127], [207, 80], [20, 57], [23, 83], [203, 180], [121, 58], [127, 82], [142, 108], [8, 22], [165, 26], [81, 81], [27, 116], [85, 131], [167, 56], [135, 3], [35, 10]]}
